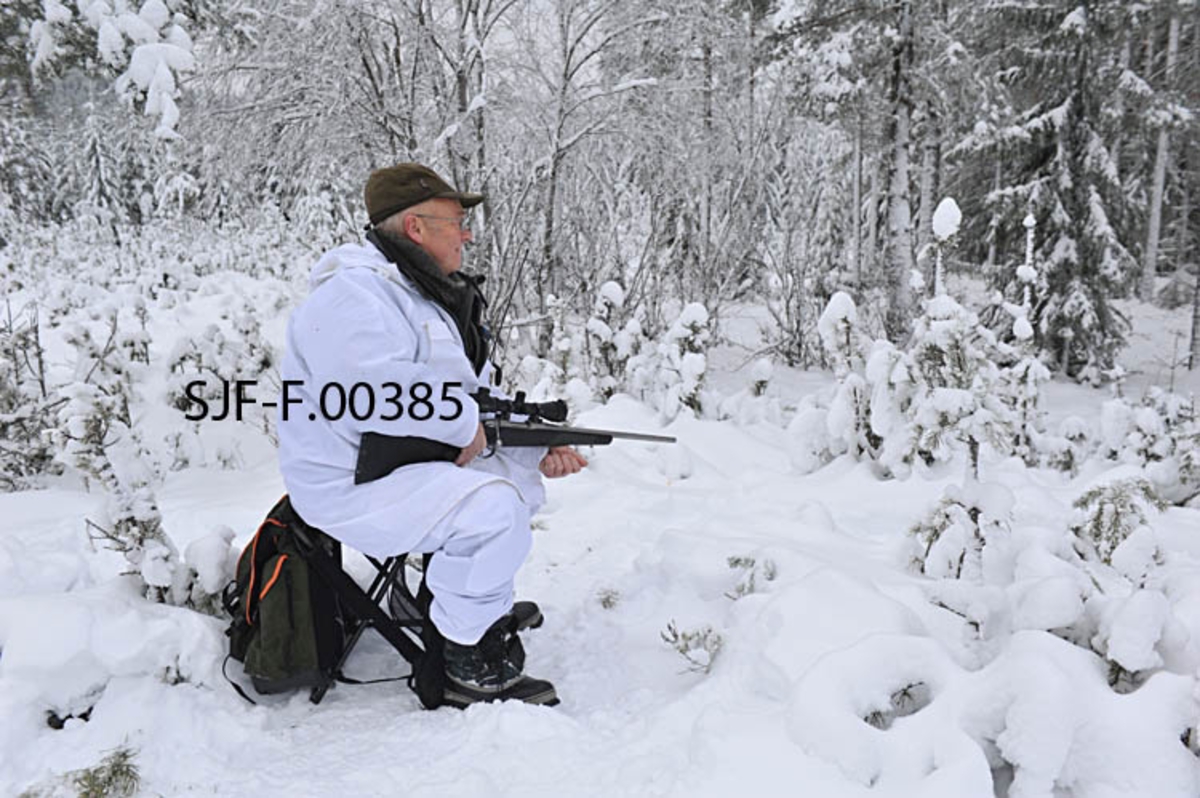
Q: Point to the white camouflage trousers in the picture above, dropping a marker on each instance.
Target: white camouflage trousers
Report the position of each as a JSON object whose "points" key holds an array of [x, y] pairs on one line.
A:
{"points": [[477, 549]]}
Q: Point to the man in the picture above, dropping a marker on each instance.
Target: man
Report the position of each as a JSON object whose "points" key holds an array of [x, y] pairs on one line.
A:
{"points": [[390, 343]]}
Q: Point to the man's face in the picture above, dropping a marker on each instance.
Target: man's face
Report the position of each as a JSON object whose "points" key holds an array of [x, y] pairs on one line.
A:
{"points": [[436, 227]]}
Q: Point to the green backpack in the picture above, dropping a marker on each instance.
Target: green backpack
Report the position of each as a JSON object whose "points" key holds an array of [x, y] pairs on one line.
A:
{"points": [[288, 628]]}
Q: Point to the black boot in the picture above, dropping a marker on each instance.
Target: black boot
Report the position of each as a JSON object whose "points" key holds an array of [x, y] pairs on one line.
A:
{"points": [[493, 670]]}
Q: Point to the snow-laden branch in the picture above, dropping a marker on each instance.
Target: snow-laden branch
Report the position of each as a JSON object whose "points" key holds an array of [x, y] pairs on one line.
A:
{"points": [[608, 91]]}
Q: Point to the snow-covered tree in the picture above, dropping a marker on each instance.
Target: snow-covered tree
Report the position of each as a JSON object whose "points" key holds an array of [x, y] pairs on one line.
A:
{"points": [[146, 47], [889, 373], [1159, 435], [25, 397], [26, 177], [220, 357], [1111, 512], [841, 335], [754, 404], [900, 82], [955, 533], [670, 372], [91, 181], [94, 435], [614, 336], [1169, 114], [1020, 386], [1129, 618], [848, 417], [1068, 449], [954, 403], [1058, 164], [805, 244]]}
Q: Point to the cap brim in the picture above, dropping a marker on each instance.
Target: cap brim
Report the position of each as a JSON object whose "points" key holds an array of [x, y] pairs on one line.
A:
{"points": [[465, 199]]}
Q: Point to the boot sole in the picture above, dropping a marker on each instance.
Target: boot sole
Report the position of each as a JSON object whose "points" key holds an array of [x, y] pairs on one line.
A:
{"points": [[453, 698]]}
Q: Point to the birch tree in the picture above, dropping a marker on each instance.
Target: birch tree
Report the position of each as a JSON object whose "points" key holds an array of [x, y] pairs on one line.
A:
{"points": [[899, 129], [571, 86], [1154, 228], [1191, 184]]}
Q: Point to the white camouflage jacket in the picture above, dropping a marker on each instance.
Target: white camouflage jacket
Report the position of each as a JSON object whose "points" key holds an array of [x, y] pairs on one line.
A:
{"points": [[365, 322]]}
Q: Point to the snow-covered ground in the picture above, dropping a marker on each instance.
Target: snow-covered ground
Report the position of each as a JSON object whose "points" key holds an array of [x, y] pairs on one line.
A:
{"points": [[831, 666]]}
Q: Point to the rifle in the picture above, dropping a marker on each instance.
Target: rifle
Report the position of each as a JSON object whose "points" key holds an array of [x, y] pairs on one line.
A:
{"points": [[542, 425]]}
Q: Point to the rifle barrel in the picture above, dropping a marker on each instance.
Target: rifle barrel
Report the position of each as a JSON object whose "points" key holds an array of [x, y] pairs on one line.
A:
{"points": [[610, 434]]}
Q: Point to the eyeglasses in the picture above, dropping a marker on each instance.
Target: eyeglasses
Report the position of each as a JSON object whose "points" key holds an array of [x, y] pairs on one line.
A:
{"points": [[463, 223]]}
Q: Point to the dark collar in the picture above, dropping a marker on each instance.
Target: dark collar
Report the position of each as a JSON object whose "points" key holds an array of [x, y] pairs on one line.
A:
{"points": [[458, 294]]}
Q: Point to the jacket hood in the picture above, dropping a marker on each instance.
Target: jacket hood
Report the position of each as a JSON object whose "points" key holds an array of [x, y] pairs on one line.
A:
{"points": [[351, 255]]}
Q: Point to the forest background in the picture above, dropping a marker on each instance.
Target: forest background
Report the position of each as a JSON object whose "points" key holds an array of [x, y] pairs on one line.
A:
{"points": [[693, 151]]}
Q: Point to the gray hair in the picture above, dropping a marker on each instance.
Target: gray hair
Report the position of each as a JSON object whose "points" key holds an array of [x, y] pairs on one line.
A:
{"points": [[393, 226]]}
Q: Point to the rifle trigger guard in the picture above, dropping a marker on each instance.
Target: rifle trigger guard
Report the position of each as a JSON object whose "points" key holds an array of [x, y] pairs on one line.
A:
{"points": [[494, 441]]}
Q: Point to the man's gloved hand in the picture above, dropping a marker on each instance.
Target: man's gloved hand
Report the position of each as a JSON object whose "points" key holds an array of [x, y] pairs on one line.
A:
{"points": [[561, 461], [473, 448]]}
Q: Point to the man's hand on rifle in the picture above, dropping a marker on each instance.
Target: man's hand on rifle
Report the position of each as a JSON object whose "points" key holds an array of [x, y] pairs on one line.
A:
{"points": [[472, 449], [561, 461]]}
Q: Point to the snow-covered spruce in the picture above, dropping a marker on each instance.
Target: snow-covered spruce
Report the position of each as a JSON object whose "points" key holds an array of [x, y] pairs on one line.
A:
{"points": [[614, 336], [220, 357], [26, 406], [1020, 387], [753, 404], [1069, 448], [953, 391], [148, 47], [670, 373], [955, 404], [840, 335], [1110, 512], [955, 533], [1161, 435]]}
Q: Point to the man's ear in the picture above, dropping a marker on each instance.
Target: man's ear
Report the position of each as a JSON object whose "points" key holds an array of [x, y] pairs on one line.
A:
{"points": [[412, 229]]}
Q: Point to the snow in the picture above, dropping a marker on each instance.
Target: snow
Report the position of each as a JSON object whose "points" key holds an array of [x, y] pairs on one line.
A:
{"points": [[693, 315], [1075, 22], [599, 330], [213, 557], [55, 13], [612, 293], [155, 14], [1047, 603], [841, 670], [692, 366], [178, 37], [148, 59], [840, 311], [160, 49], [762, 370], [916, 281], [946, 219], [156, 568], [43, 43], [137, 28], [160, 100], [110, 44], [1132, 629]]}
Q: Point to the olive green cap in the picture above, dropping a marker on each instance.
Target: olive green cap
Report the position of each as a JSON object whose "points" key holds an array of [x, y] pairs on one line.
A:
{"points": [[394, 188]]}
